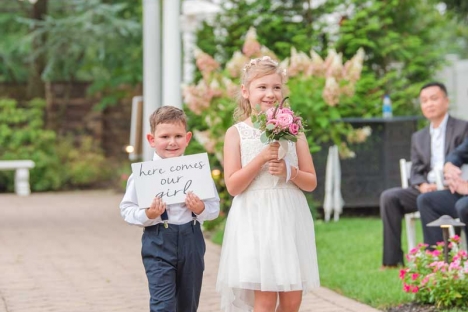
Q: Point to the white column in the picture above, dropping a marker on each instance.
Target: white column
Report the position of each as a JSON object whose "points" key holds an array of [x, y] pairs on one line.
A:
{"points": [[189, 26], [172, 62], [193, 13], [151, 67]]}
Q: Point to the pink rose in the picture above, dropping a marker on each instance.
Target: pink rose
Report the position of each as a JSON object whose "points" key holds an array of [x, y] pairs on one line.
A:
{"points": [[286, 110], [298, 120], [294, 129], [284, 120], [269, 113], [273, 122]]}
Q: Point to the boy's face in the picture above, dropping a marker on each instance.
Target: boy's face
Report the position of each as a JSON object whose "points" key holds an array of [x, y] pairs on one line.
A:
{"points": [[169, 139]]}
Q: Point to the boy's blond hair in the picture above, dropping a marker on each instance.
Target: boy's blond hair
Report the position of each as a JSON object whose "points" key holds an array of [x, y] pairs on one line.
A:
{"points": [[167, 114]]}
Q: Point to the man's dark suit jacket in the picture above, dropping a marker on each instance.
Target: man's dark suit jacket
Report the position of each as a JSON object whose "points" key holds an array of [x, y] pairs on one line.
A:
{"points": [[459, 156], [455, 133]]}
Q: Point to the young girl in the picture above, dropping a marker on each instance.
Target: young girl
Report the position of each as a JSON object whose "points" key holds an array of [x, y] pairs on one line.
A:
{"points": [[269, 242]]}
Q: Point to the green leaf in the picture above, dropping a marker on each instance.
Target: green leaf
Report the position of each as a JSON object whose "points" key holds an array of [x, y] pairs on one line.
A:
{"points": [[264, 138]]}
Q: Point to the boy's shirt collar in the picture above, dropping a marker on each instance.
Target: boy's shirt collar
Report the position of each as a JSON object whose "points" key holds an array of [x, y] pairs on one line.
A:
{"points": [[156, 156]]}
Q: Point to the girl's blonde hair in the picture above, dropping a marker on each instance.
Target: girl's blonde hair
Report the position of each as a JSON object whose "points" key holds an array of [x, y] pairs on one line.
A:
{"points": [[256, 68]]}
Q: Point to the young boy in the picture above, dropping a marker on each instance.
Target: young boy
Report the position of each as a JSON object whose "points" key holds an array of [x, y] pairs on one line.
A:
{"points": [[172, 255]]}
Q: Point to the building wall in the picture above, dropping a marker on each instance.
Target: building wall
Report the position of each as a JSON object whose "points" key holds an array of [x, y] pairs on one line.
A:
{"points": [[455, 76]]}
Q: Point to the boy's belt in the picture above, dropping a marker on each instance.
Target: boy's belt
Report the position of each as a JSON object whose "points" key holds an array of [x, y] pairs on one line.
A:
{"points": [[165, 218]]}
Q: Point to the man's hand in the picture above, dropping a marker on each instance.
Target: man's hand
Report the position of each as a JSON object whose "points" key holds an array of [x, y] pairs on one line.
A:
{"points": [[194, 203], [452, 175], [450, 171], [427, 187], [157, 208], [460, 187]]}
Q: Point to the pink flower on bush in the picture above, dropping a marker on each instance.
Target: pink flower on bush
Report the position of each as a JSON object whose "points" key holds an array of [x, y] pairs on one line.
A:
{"points": [[424, 281], [406, 287], [434, 279], [436, 253], [402, 273], [251, 45], [414, 250]]}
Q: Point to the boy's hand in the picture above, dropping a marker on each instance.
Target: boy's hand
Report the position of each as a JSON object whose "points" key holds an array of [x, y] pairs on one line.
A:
{"points": [[157, 208], [194, 203]]}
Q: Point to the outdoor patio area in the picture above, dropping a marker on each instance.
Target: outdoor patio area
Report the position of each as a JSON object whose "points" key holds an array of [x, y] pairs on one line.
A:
{"points": [[71, 251]]}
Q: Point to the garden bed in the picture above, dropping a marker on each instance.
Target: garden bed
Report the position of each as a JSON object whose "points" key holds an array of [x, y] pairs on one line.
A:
{"points": [[412, 307]]}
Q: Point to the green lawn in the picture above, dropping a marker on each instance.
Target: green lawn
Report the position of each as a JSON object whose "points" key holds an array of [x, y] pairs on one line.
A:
{"points": [[350, 256]]}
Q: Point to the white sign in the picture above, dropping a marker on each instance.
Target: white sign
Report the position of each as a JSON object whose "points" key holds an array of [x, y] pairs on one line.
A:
{"points": [[172, 178]]}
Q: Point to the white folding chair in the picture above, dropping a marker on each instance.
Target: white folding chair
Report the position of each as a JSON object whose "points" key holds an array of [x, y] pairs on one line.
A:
{"points": [[410, 218]]}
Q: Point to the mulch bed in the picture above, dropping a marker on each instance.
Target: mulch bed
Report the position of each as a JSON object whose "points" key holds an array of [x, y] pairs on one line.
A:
{"points": [[412, 307]]}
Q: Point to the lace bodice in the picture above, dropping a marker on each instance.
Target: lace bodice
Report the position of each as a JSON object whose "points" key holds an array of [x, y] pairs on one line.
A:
{"points": [[251, 146]]}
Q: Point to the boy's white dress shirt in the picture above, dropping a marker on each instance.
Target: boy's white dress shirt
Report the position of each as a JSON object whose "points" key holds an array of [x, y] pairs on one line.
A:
{"points": [[177, 213]]}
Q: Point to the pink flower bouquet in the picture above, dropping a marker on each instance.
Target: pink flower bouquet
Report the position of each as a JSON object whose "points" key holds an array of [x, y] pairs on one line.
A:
{"points": [[278, 123]]}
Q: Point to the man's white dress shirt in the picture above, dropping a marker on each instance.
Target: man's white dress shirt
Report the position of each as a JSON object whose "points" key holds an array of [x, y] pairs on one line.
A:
{"points": [[437, 149]]}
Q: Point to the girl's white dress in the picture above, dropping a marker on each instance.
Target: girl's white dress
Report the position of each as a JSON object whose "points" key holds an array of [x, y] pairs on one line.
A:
{"points": [[269, 240]]}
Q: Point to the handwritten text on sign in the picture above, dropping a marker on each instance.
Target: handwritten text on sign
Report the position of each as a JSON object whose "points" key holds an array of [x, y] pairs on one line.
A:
{"points": [[172, 178]]}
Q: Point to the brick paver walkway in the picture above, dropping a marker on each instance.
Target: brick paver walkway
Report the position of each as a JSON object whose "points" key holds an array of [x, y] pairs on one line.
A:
{"points": [[65, 252]]}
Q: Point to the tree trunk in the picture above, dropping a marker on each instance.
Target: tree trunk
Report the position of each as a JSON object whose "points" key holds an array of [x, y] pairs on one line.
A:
{"points": [[36, 87]]}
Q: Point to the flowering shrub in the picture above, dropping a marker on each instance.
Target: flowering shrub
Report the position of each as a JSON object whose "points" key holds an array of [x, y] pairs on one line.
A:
{"points": [[323, 90], [278, 123], [433, 281]]}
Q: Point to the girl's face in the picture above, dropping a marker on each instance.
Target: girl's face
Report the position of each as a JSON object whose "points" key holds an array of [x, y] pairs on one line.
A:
{"points": [[265, 91]]}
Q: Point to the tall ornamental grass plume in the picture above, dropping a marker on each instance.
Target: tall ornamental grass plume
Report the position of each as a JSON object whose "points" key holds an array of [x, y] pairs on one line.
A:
{"points": [[433, 281], [323, 89]]}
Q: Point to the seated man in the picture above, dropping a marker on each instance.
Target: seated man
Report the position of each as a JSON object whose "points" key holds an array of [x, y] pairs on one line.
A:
{"points": [[452, 202], [429, 146]]}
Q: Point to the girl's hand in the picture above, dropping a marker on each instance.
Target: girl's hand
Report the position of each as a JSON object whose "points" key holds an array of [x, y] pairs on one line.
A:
{"points": [[157, 208], [194, 203], [277, 167], [270, 152]]}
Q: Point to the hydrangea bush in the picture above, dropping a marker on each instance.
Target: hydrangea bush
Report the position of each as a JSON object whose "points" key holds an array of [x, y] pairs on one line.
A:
{"points": [[433, 281], [322, 90]]}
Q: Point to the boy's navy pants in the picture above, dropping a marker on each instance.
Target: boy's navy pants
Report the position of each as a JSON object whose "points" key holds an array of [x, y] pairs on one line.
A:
{"points": [[174, 264]]}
